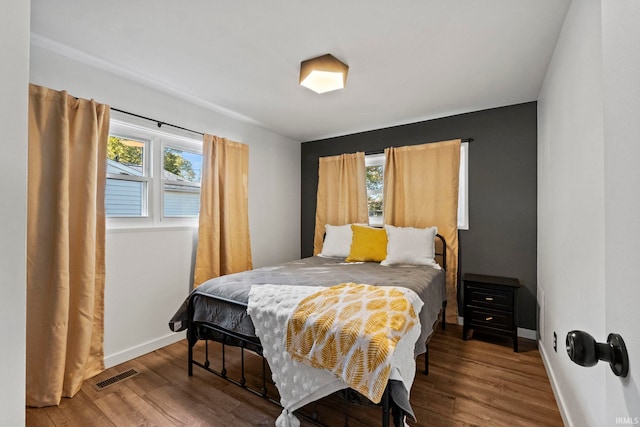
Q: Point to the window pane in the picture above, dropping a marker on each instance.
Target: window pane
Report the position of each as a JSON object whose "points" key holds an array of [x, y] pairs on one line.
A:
{"points": [[375, 175], [125, 156], [124, 198], [181, 200], [463, 188], [180, 165]]}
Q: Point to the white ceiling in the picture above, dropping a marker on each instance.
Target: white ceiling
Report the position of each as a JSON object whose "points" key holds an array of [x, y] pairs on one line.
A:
{"points": [[408, 60]]}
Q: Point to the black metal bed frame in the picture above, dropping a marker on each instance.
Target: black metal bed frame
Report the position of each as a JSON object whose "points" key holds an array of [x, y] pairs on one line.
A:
{"points": [[244, 341]]}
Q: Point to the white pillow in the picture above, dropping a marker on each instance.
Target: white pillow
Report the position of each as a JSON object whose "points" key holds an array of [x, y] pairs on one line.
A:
{"points": [[409, 245], [337, 241]]}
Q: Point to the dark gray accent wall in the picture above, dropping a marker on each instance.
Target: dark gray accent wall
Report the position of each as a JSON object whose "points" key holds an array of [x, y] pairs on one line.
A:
{"points": [[501, 240]]}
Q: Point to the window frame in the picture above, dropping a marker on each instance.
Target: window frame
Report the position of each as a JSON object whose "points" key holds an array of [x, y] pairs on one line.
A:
{"points": [[155, 141]]}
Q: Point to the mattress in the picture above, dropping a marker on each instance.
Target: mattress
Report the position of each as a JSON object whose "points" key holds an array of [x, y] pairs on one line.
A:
{"points": [[222, 301]]}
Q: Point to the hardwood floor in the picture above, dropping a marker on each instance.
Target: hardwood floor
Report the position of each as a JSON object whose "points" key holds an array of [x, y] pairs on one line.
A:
{"points": [[470, 383]]}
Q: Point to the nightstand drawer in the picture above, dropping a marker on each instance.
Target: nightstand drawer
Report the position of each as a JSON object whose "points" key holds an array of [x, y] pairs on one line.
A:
{"points": [[490, 319], [490, 298]]}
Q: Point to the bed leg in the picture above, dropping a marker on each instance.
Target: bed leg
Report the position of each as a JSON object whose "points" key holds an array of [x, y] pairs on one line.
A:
{"points": [[426, 361], [190, 351], [242, 379], [206, 354], [191, 337], [385, 407], [444, 314], [264, 377], [223, 372], [345, 394]]}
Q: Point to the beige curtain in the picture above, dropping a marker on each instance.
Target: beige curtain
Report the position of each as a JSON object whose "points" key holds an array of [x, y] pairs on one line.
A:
{"points": [[223, 234], [421, 190], [342, 193], [65, 244]]}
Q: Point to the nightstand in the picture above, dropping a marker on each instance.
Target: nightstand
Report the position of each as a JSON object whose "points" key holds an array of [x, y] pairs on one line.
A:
{"points": [[490, 304]]}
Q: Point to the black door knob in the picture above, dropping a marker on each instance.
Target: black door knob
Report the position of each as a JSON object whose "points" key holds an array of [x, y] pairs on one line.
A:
{"points": [[583, 349]]}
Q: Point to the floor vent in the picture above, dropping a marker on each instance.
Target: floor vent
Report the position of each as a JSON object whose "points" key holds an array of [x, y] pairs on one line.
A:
{"points": [[116, 379]]}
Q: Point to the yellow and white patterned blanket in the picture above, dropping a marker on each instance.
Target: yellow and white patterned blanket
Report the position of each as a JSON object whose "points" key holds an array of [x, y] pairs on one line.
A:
{"points": [[352, 331], [299, 383]]}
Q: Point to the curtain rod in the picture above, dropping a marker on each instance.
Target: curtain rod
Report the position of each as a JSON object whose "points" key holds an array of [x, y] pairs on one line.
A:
{"points": [[382, 151], [158, 122]]}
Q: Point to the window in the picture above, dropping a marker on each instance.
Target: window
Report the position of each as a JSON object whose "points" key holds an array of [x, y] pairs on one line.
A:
{"points": [[152, 176], [181, 173], [374, 166]]}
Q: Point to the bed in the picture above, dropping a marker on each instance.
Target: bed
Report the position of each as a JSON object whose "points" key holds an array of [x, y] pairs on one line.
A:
{"points": [[217, 309]]}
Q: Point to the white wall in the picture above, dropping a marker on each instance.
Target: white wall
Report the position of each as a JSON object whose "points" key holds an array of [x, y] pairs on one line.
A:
{"points": [[143, 292], [571, 204], [149, 271], [14, 45]]}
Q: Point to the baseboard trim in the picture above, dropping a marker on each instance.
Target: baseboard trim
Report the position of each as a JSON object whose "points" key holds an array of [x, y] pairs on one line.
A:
{"points": [[528, 333], [552, 380], [522, 332], [142, 349]]}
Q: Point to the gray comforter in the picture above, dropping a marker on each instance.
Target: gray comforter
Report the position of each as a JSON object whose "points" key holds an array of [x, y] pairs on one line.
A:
{"points": [[222, 301]]}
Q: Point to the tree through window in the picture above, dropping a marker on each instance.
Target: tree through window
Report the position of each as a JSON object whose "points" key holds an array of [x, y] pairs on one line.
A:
{"points": [[374, 167]]}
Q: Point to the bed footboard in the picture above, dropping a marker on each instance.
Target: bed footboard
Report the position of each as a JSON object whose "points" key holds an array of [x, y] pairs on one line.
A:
{"points": [[192, 338]]}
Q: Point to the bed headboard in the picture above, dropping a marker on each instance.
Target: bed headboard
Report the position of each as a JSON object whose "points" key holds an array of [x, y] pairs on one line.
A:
{"points": [[441, 251]]}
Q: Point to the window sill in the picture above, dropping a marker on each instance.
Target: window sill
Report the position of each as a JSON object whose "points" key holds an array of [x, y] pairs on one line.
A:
{"points": [[150, 228]]}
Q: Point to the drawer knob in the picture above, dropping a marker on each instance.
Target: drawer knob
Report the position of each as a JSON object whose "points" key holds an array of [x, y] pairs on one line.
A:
{"points": [[489, 318], [488, 299]]}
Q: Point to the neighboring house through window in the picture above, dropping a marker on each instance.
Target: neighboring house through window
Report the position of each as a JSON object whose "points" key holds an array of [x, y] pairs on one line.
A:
{"points": [[181, 175], [128, 177]]}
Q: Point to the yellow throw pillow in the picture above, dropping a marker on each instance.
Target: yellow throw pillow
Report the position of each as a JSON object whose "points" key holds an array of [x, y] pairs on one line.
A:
{"points": [[367, 244]]}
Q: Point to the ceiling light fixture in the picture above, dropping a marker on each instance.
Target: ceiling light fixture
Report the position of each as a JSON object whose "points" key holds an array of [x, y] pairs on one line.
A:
{"points": [[323, 74]]}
